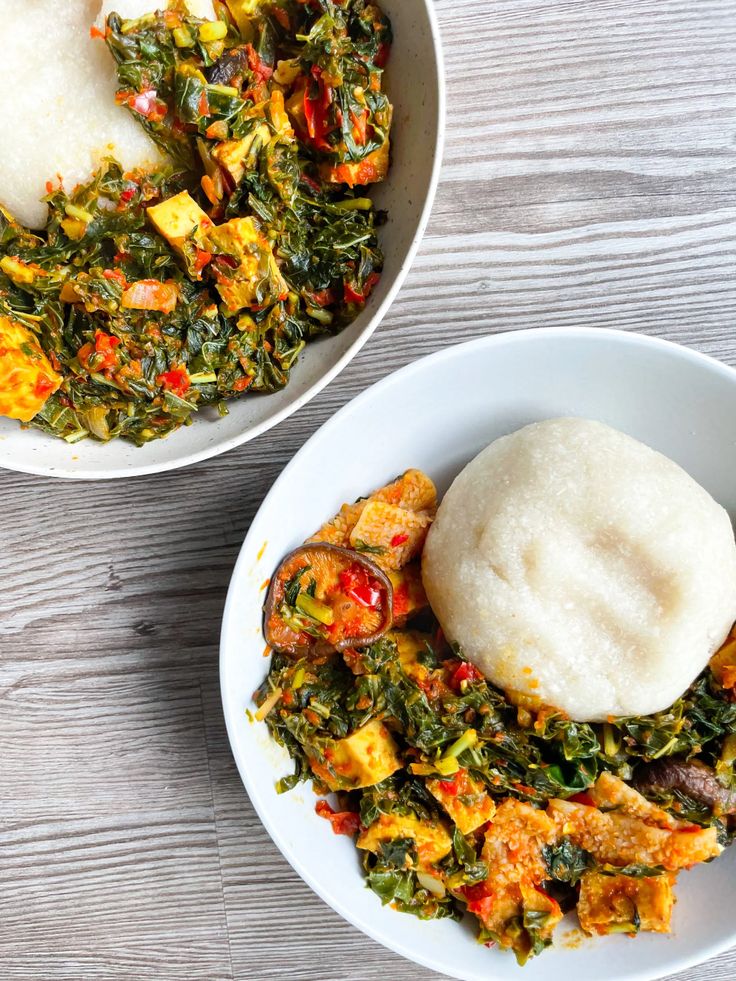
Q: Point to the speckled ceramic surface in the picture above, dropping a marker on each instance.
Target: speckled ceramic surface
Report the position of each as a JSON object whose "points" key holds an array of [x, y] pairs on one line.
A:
{"points": [[415, 85]]}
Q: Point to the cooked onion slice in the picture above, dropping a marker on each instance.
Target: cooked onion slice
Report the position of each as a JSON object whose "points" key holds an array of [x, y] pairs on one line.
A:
{"points": [[324, 595]]}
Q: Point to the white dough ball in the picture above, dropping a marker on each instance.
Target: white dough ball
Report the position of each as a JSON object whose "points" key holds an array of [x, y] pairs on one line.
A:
{"points": [[571, 562], [57, 102]]}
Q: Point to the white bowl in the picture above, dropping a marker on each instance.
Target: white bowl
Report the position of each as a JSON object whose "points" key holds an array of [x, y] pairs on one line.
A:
{"points": [[436, 414], [415, 83]]}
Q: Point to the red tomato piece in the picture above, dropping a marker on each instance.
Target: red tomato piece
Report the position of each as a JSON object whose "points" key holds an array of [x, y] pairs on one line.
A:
{"points": [[583, 798], [465, 672], [176, 380], [343, 822]]}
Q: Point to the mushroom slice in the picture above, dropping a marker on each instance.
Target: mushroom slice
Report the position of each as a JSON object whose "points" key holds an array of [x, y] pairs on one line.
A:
{"points": [[688, 777], [324, 596]]}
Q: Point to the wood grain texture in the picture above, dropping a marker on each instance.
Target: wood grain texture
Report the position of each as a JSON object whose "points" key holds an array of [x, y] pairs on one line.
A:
{"points": [[589, 179]]}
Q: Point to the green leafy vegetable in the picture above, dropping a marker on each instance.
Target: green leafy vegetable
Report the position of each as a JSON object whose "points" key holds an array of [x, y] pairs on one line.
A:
{"points": [[141, 373]]}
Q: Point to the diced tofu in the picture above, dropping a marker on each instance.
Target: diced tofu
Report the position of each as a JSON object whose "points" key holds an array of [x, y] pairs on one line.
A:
{"points": [[430, 837], [465, 800], [611, 903], [514, 843], [409, 595], [611, 793], [235, 156], [19, 272], [409, 645], [513, 852], [413, 491], [337, 531], [287, 71], [181, 221], [26, 375], [371, 170], [398, 532], [361, 760], [256, 281], [617, 838]]}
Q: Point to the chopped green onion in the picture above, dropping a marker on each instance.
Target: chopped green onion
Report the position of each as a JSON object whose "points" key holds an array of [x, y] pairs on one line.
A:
{"points": [[79, 213], [611, 740], [319, 708], [298, 679], [313, 608], [622, 928], [433, 885], [320, 315], [447, 767], [666, 749], [269, 704], [182, 38], [75, 437], [223, 90], [203, 377], [468, 739], [354, 204]]}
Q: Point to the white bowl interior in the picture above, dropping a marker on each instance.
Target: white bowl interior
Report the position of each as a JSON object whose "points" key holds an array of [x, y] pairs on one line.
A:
{"points": [[416, 86], [437, 414]]}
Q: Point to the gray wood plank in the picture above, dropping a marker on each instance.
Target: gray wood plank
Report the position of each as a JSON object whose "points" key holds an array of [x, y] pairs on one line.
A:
{"points": [[109, 863], [589, 179]]}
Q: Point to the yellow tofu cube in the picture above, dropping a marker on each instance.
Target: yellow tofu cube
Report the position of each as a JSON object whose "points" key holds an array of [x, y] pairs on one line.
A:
{"points": [[409, 645], [465, 800], [181, 221], [256, 281], [611, 903], [413, 491], [19, 272], [431, 839], [398, 532], [26, 375], [363, 759], [371, 170], [235, 156]]}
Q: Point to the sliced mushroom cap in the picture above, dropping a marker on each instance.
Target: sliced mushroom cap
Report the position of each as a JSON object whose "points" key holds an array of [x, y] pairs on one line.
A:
{"points": [[228, 67], [689, 777], [324, 596]]}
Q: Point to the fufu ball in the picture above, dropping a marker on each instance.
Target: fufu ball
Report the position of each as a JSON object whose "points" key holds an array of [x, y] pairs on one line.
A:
{"points": [[573, 563]]}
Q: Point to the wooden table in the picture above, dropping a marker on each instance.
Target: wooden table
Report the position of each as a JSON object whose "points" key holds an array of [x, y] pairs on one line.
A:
{"points": [[590, 178]]}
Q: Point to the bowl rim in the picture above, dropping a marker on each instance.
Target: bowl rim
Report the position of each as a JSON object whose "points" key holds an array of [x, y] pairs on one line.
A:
{"points": [[254, 534], [224, 446]]}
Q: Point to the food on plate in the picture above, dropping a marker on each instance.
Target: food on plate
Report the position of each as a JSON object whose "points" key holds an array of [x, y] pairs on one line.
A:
{"points": [[463, 797], [573, 563], [200, 217]]}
